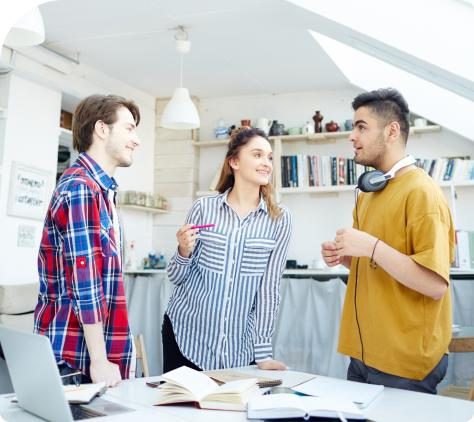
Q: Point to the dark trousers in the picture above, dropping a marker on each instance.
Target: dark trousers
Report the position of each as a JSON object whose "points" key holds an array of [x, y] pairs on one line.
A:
{"points": [[65, 370], [360, 372], [172, 356]]}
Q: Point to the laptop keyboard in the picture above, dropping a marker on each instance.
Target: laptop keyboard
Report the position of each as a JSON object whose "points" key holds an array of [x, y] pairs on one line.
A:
{"points": [[80, 413]]}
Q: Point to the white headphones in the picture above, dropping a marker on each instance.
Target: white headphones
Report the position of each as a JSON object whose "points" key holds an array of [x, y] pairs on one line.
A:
{"points": [[375, 180]]}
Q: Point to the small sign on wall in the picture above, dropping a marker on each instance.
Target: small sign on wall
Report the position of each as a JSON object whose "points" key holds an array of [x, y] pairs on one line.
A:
{"points": [[28, 194], [26, 236]]}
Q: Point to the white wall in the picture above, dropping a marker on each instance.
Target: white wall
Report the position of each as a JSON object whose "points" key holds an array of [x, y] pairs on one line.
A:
{"points": [[31, 138], [32, 129], [317, 217]]}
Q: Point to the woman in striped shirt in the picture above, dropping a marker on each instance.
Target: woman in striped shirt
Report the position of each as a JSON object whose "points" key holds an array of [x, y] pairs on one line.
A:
{"points": [[227, 277]]}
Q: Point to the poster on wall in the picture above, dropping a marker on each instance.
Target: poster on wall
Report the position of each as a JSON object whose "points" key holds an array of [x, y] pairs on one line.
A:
{"points": [[28, 194], [26, 236]]}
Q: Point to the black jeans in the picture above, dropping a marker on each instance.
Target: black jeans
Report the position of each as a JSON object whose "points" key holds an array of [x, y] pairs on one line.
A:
{"points": [[172, 356], [360, 372], [64, 369]]}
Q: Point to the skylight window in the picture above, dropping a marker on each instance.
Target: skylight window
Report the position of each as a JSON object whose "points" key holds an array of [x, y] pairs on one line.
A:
{"points": [[425, 98], [440, 33]]}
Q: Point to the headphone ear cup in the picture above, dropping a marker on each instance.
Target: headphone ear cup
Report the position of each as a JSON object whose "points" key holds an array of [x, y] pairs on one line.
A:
{"points": [[364, 181]]}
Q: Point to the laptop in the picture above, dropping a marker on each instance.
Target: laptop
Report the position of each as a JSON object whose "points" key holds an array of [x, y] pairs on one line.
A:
{"points": [[37, 383]]}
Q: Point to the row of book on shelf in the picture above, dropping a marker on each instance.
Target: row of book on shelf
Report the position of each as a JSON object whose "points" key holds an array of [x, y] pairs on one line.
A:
{"points": [[464, 258], [313, 170]]}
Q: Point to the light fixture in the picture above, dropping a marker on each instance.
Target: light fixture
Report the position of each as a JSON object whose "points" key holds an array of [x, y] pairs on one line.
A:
{"points": [[180, 112], [27, 31]]}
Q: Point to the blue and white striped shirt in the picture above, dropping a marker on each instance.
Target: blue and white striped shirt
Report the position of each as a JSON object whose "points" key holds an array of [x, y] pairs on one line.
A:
{"points": [[227, 293]]}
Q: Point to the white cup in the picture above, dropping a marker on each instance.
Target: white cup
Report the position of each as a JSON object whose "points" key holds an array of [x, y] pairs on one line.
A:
{"points": [[419, 122], [319, 264]]}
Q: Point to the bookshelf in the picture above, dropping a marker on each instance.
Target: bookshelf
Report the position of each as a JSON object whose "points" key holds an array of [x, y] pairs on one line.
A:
{"points": [[279, 143]]}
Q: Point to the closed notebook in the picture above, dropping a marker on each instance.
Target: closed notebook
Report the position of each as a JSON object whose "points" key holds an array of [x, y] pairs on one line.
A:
{"points": [[185, 385], [359, 393], [281, 406], [84, 393], [223, 376]]}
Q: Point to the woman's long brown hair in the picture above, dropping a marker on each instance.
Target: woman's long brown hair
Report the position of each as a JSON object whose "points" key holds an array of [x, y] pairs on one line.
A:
{"points": [[238, 139]]}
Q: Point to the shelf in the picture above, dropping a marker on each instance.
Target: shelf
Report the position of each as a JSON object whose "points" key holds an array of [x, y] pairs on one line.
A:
{"points": [[315, 137], [311, 271], [344, 271], [142, 208], [142, 271], [460, 184], [425, 129], [350, 188], [317, 189]]}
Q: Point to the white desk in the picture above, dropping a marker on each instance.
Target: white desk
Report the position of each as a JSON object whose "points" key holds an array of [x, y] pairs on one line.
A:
{"points": [[392, 405]]}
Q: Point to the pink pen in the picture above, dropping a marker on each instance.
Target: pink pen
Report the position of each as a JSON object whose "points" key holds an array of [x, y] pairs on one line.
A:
{"points": [[204, 226]]}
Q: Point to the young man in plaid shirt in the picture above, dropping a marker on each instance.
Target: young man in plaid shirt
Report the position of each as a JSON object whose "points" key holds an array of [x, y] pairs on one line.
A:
{"points": [[81, 302]]}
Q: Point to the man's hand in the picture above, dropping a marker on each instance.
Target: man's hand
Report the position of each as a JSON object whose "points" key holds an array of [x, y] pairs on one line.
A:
{"points": [[272, 365], [330, 254], [105, 371], [353, 242]]}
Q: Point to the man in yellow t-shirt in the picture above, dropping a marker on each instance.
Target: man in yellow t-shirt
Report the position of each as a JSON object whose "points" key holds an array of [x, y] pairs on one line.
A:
{"points": [[396, 321]]}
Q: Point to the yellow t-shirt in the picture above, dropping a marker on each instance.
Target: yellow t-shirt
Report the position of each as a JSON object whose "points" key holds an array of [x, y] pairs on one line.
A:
{"points": [[404, 333]]}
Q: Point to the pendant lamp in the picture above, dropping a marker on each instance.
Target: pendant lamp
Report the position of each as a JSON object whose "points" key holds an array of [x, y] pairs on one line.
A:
{"points": [[180, 112]]}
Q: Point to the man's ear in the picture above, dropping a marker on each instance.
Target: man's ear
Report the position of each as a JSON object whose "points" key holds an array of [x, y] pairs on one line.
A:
{"points": [[101, 129], [393, 131]]}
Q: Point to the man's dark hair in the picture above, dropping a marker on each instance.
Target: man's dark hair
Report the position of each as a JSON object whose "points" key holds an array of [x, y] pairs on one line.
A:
{"points": [[94, 108], [389, 105]]}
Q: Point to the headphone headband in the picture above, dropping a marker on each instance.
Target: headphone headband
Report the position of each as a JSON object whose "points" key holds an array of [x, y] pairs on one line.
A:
{"points": [[404, 162], [375, 180]]}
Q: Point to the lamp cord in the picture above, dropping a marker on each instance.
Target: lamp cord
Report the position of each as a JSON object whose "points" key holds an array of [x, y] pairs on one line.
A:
{"points": [[181, 70]]}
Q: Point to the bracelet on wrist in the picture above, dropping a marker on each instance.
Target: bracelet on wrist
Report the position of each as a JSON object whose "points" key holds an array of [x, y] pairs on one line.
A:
{"points": [[372, 263]]}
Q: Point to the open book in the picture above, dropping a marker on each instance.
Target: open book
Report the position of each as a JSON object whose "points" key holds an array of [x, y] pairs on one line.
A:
{"points": [[332, 388], [280, 406], [223, 376], [84, 393], [185, 385]]}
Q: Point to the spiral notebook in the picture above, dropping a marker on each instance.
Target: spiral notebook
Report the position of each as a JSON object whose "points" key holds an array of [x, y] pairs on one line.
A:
{"points": [[228, 376]]}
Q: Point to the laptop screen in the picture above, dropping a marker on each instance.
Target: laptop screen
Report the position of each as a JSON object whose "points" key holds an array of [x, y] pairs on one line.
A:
{"points": [[34, 374]]}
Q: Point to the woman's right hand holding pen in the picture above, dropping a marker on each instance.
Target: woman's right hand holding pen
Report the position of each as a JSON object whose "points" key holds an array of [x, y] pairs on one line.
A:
{"points": [[186, 237]]}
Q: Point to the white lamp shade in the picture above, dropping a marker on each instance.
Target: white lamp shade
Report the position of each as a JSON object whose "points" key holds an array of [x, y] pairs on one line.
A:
{"points": [[180, 112], [28, 31]]}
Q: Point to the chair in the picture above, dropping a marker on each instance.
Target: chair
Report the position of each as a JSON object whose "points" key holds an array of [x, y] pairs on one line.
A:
{"points": [[462, 343], [141, 356]]}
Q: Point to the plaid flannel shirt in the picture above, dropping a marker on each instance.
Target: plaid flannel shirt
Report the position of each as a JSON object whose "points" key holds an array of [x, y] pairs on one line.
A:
{"points": [[80, 270]]}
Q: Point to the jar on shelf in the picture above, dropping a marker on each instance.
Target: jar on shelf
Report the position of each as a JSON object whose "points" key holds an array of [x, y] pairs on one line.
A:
{"points": [[141, 199], [131, 197], [150, 200]]}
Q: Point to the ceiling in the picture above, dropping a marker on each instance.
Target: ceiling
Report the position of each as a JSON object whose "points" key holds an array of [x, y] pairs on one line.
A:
{"points": [[237, 47]]}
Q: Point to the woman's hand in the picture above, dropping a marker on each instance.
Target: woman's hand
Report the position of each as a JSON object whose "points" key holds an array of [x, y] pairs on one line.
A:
{"points": [[271, 364], [186, 237]]}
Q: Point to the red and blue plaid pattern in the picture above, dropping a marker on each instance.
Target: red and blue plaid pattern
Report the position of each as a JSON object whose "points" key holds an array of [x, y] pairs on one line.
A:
{"points": [[80, 269]]}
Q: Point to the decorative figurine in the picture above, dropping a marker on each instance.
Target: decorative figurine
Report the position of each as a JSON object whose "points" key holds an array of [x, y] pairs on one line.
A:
{"points": [[318, 118]]}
